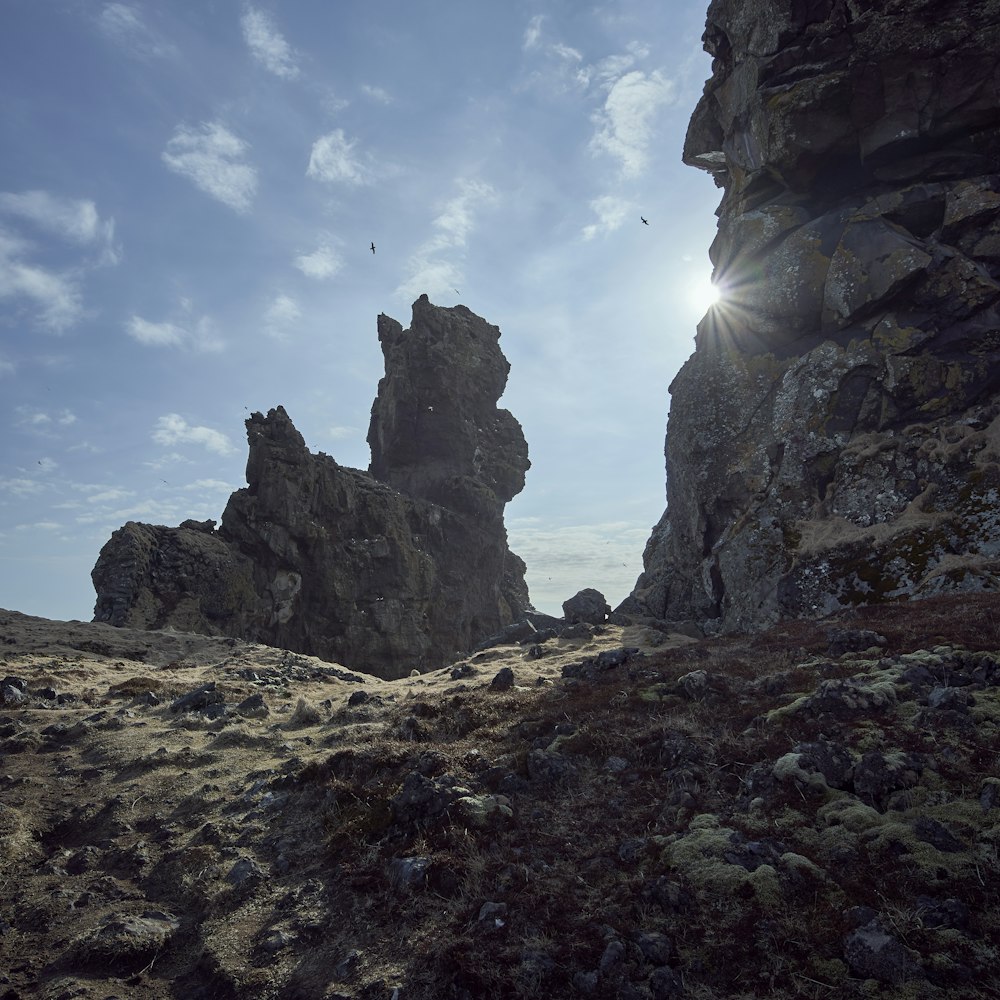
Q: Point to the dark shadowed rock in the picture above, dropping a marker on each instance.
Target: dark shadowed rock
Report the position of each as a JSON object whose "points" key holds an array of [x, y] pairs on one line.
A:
{"points": [[587, 605], [831, 442], [403, 566], [873, 953]]}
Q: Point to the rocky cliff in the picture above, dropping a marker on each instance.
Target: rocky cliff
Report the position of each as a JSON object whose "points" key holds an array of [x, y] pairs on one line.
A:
{"points": [[401, 567], [834, 439]]}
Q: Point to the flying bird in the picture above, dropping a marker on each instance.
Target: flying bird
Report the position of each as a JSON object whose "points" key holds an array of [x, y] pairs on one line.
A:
{"points": [[373, 248], [645, 222]]}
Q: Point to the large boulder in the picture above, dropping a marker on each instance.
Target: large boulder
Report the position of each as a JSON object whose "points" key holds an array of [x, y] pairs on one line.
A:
{"points": [[402, 566], [834, 439]]}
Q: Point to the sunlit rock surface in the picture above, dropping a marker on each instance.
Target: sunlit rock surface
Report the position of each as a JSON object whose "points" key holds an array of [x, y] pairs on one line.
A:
{"points": [[401, 567], [833, 440]]}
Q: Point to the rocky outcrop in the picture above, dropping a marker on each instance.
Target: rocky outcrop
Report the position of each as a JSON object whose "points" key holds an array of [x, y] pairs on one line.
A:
{"points": [[404, 566], [834, 439]]}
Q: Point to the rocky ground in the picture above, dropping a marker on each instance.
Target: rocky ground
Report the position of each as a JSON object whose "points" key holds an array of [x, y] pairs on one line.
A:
{"points": [[810, 812]]}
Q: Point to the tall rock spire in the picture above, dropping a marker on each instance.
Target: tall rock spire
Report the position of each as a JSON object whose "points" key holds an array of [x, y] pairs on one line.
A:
{"points": [[406, 566]]}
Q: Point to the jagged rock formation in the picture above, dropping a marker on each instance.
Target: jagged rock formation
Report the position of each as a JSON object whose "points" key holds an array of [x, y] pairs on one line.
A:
{"points": [[834, 438], [401, 567]]}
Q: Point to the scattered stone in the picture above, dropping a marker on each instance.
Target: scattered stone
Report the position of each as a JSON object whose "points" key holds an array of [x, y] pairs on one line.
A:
{"points": [[253, 707], [656, 947], [503, 681], [878, 775], [665, 984], [493, 914], [199, 699], [482, 812], [245, 872], [407, 873], [873, 953], [612, 957], [127, 939], [852, 640]]}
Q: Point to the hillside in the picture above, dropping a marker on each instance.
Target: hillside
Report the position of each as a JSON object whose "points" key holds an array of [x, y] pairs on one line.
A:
{"points": [[813, 811]]}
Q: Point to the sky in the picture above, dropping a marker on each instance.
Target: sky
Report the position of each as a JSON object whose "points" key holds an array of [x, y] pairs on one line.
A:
{"points": [[188, 191]]}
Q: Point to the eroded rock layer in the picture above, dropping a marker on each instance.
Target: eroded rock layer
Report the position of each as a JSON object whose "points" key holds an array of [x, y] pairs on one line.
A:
{"points": [[404, 566], [834, 439]]}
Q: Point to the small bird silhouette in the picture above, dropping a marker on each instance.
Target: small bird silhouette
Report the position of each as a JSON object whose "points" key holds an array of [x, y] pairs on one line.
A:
{"points": [[644, 221], [373, 248]]}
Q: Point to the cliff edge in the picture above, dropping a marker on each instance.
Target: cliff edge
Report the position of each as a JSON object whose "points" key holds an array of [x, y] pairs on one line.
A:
{"points": [[834, 441]]}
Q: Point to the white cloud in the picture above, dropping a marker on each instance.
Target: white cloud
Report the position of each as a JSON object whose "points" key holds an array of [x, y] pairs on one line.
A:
{"points": [[47, 465], [323, 262], [625, 122], [173, 429], [333, 159], [564, 558], [377, 93], [533, 32], [113, 495], [53, 296], [340, 433], [6, 367], [39, 420], [216, 485], [74, 220], [267, 45], [435, 267], [21, 487], [56, 297], [199, 335], [280, 315], [212, 158], [611, 212], [155, 334], [124, 25]]}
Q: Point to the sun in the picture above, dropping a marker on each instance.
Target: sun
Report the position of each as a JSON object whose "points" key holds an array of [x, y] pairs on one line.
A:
{"points": [[703, 294]]}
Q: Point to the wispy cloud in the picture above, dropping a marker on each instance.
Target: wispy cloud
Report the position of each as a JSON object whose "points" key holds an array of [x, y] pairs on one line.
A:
{"points": [[123, 24], [53, 296], [6, 367], [625, 122], [267, 45], [56, 297], [533, 33], [323, 262], [43, 421], [21, 486], [113, 495], [71, 219], [193, 334], [281, 314], [436, 265], [611, 212], [376, 93], [333, 159], [173, 429], [212, 157]]}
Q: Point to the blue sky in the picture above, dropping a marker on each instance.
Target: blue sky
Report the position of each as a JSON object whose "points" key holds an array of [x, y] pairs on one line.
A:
{"points": [[188, 192]]}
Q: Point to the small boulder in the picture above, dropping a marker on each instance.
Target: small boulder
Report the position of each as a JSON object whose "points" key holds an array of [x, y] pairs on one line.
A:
{"points": [[588, 606]]}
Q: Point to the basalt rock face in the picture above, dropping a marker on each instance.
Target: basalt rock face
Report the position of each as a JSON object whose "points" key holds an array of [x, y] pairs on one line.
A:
{"points": [[404, 566], [834, 440]]}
